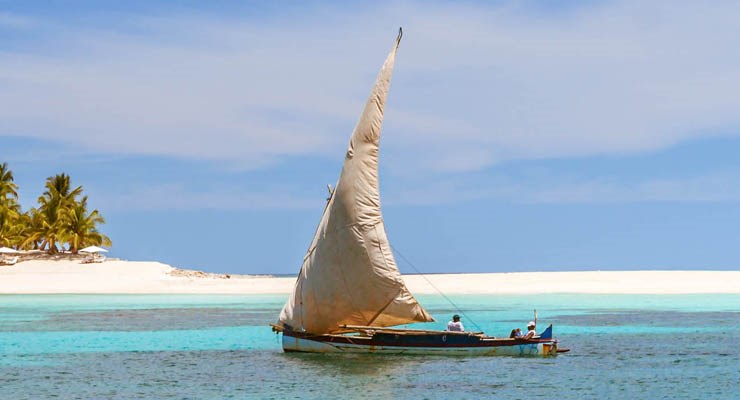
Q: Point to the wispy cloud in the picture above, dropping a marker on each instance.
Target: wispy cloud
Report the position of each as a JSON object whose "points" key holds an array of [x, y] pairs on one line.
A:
{"points": [[539, 187], [475, 85], [178, 197], [549, 188], [14, 21]]}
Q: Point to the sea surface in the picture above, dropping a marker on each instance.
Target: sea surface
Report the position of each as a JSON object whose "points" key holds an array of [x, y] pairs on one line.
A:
{"points": [[221, 347]]}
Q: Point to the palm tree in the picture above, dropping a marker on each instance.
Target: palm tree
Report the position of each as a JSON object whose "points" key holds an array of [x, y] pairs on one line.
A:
{"points": [[59, 217], [58, 197], [9, 208], [30, 229], [79, 228], [8, 188], [7, 228]]}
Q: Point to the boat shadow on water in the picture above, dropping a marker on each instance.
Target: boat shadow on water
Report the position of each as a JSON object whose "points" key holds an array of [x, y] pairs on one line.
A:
{"points": [[359, 364], [356, 364]]}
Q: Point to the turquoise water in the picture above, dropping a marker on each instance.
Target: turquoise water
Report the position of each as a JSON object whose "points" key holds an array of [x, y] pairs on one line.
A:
{"points": [[213, 347]]}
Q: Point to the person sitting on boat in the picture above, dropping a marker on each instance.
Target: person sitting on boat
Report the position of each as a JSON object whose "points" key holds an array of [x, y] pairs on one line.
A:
{"points": [[455, 325], [515, 333], [530, 331]]}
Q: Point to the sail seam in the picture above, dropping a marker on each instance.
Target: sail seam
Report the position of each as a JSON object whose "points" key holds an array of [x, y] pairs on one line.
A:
{"points": [[348, 291], [385, 263]]}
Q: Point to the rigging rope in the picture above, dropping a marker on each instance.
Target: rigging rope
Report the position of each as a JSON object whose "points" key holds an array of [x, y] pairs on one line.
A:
{"points": [[458, 309]]}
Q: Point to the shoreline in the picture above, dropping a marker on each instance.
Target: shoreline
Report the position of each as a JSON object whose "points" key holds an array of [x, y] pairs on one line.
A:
{"points": [[68, 276]]}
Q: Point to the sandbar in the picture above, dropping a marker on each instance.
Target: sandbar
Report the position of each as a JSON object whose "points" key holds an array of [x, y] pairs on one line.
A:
{"points": [[145, 277]]}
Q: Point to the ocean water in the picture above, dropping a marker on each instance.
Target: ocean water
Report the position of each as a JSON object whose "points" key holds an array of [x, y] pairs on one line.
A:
{"points": [[221, 347]]}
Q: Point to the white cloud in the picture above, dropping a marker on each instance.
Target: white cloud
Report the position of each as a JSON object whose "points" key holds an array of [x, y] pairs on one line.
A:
{"points": [[475, 84]]}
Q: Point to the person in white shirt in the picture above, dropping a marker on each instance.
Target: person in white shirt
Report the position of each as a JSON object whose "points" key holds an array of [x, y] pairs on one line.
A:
{"points": [[530, 330], [455, 325]]}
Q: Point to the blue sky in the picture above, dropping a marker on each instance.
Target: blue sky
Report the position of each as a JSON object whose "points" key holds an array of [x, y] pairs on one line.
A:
{"points": [[519, 136]]}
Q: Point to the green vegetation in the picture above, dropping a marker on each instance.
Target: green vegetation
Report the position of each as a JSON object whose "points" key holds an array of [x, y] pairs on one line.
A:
{"points": [[61, 217]]}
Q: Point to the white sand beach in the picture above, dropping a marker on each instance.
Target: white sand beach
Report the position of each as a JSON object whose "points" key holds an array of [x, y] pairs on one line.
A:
{"points": [[112, 276]]}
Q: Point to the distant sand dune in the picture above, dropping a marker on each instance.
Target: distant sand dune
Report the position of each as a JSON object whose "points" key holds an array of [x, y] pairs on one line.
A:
{"points": [[65, 275]]}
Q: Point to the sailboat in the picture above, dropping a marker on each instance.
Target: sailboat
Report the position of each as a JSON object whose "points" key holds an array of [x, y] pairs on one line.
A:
{"points": [[349, 294]]}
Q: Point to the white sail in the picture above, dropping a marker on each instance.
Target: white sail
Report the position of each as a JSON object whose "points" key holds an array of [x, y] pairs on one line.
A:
{"points": [[349, 275]]}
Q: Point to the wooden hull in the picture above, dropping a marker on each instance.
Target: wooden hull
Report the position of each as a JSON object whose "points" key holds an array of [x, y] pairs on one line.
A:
{"points": [[444, 343]]}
